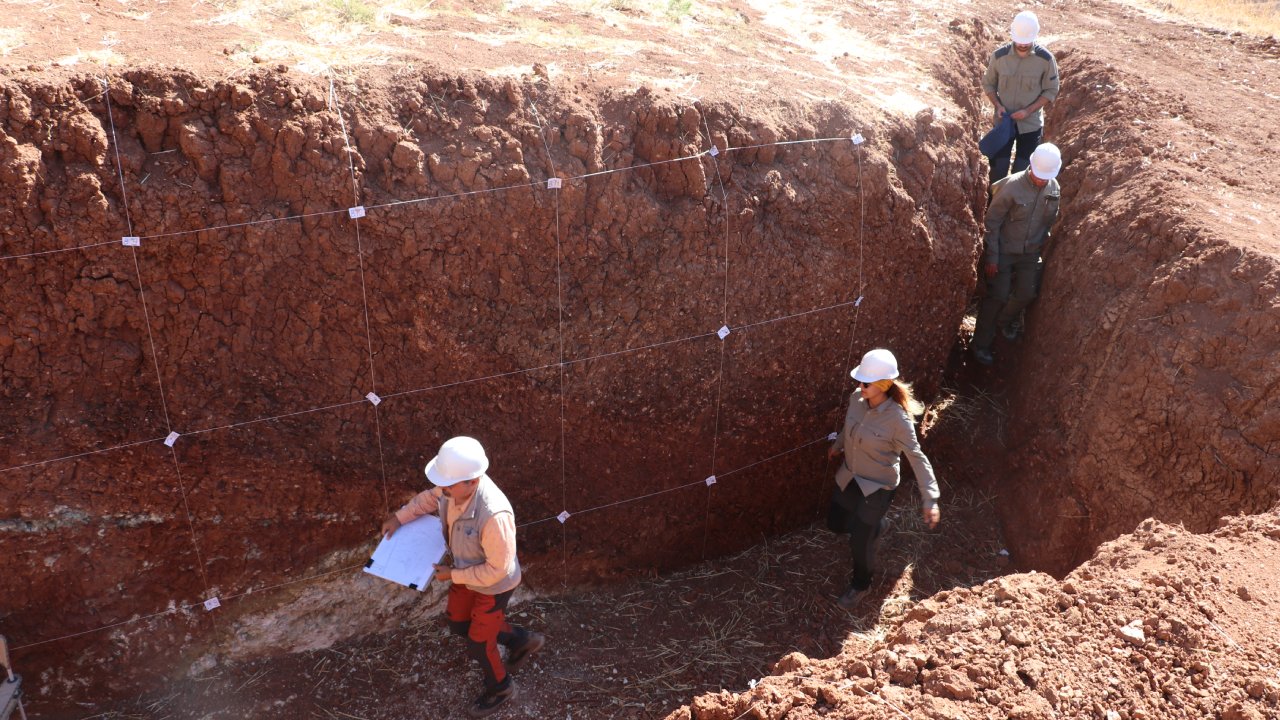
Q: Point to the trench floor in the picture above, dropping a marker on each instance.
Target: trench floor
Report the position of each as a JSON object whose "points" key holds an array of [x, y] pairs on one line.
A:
{"points": [[636, 649]]}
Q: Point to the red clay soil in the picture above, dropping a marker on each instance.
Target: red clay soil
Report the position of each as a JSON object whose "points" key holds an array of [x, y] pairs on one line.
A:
{"points": [[1146, 385], [1162, 623], [258, 343]]}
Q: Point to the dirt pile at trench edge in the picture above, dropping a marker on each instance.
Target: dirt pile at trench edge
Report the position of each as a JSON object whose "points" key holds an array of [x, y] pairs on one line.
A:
{"points": [[1162, 623], [256, 321]]}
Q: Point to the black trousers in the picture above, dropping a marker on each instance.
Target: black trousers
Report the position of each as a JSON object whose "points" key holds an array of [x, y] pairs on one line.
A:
{"points": [[863, 517], [1026, 144]]}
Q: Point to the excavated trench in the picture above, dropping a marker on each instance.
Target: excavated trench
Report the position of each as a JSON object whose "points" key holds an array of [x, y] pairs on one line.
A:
{"points": [[471, 298]]}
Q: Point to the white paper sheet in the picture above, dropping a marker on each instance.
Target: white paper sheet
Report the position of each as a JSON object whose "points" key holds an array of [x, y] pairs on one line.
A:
{"points": [[408, 556]]}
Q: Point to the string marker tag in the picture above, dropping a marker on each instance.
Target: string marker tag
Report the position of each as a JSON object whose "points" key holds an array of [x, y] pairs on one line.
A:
{"points": [[723, 332], [373, 398], [563, 517], [858, 139], [554, 183], [131, 241], [714, 151], [711, 481], [212, 604], [833, 436], [171, 439], [857, 302], [356, 212]]}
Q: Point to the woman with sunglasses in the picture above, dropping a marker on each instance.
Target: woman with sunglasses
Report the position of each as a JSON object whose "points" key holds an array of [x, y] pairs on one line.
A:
{"points": [[878, 428]]}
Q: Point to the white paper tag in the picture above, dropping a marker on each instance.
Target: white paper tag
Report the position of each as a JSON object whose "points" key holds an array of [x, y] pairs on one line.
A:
{"points": [[858, 302], [131, 241], [563, 516], [711, 481], [554, 183], [173, 438], [714, 151], [858, 139], [833, 436], [373, 398], [723, 332], [212, 604], [356, 212]]}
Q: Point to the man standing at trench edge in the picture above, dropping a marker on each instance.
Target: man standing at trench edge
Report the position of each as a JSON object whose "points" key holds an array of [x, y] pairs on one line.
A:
{"points": [[1021, 79], [1023, 208], [480, 532]]}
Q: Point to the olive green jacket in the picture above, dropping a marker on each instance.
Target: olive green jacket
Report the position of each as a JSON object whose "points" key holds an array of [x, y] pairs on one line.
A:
{"points": [[1020, 81], [1020, 216]]}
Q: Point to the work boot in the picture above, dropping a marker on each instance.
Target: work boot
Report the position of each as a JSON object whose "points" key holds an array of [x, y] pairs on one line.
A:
{"points": [[983, 356], [850, 599], [519, 656], [490, 700]]}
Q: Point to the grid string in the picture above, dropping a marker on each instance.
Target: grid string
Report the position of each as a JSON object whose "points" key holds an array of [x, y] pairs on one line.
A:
{"points": [[421, 390], [155, 356], [348, 568]]}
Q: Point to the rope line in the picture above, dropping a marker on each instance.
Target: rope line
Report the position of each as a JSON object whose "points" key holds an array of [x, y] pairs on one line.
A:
{"points": [[364, 293], [564, 482], [724, 318], [411, 201], [423, 389], [348, 568]]}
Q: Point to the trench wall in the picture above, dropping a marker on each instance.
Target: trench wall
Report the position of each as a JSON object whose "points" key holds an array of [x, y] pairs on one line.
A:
{"points": [[572, 331], [1149, 384]]}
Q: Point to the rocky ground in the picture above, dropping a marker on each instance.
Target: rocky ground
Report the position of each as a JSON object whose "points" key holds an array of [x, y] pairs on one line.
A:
{"points": [[1161, 623]]}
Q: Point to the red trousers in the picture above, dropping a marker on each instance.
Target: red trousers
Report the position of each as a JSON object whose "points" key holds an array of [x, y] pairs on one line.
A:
{"points": [[481, 619]]}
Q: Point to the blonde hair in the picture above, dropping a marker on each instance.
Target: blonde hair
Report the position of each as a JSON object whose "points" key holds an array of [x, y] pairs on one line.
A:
{"points": [[900, 392]]}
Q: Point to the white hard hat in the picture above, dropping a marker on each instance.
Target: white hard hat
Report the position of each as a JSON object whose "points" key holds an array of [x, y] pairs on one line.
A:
{"points": [[1046, 161], [879, 364], [460, 459], [1025, 28]]}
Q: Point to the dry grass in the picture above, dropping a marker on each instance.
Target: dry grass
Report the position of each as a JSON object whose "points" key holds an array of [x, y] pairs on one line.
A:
{"points": [[1255, 17]]}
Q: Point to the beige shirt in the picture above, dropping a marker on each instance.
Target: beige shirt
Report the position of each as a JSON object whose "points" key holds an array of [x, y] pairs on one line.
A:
{"points": [[497, 537], [1020, 81], [873, 440]]}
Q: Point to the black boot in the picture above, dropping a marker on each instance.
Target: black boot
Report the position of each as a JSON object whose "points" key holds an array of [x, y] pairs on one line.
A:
{"points": [[492, 699]]}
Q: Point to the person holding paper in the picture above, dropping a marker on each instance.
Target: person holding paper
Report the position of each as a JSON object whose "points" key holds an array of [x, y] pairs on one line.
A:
{"points": [[480, 532], [878, 429]]}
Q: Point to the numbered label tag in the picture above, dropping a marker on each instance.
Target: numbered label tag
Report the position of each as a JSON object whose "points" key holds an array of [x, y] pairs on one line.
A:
{"points": [[171, 439], [356, 212], [131, 241]]}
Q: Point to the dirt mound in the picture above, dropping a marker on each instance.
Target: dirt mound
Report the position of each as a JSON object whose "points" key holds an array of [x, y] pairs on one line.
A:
{"points": [[1162, 623]]}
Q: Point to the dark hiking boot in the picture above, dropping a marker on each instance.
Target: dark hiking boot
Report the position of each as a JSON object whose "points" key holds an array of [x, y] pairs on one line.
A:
{"points": [[491, 700], [850, 599], [519, 657], [983, 356]]}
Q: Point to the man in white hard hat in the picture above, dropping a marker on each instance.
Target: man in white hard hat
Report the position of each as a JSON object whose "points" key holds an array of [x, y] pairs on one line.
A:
{"points": [[1023, 208], [1021, 79], [480, 532]]}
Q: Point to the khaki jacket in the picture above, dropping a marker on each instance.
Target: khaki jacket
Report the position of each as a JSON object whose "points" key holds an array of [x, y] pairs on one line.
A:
{"points": [[1020, 81], [1020, 216], [874, 440]]}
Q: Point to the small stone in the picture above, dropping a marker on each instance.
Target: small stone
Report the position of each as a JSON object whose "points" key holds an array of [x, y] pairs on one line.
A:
{"points": [[1243, 592], [1133, 633]]}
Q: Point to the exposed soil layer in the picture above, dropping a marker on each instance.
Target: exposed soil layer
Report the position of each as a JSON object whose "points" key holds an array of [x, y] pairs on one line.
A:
{"points": [[1162, 623], [1146, 385], [257, 340]]}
